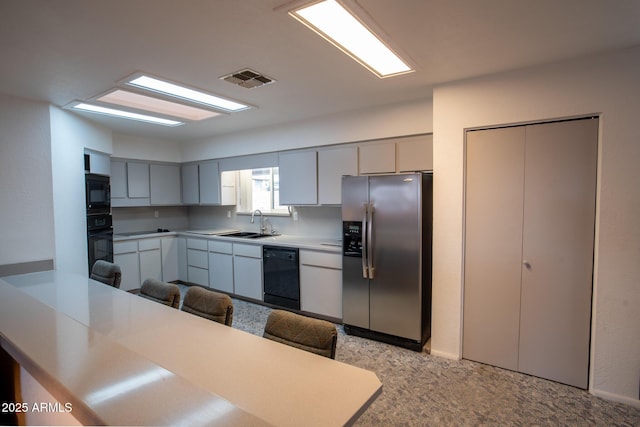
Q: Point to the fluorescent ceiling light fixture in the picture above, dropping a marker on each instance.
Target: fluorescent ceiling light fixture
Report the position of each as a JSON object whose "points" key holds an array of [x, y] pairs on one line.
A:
{"points": [[125, 114], [156, 105], [181, 92], [333, 22]]}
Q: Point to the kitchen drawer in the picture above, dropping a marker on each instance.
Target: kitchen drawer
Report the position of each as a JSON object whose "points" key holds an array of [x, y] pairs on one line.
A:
{"points": [[321, 259], [148, 244], [200, 244], [197, 258], [251, 251], [199, 276], [220, 247], [126, 247]]}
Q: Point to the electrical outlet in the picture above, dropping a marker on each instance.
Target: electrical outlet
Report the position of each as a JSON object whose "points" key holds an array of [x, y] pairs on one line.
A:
{"points": [[228, 214], [156, 214], [295, 215]]}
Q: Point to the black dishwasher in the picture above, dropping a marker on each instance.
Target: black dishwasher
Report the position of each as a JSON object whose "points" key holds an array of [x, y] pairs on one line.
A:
{"points": [[281, 276]]}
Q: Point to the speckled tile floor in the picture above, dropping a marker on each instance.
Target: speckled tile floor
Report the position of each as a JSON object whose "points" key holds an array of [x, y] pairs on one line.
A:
{"points": [[422, 390]]}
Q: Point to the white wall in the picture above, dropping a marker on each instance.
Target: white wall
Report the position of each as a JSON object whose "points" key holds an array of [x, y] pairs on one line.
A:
{"points": [[608, 85], [26, 224], [134, 147], [70, 134], [362, 125]]}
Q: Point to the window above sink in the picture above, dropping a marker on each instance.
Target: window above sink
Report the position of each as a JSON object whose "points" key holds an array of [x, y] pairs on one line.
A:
{"points": [[259, 189]]}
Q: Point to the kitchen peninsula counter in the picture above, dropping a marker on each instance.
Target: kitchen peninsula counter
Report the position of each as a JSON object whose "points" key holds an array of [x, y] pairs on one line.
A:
{"points": [[121, 359]]}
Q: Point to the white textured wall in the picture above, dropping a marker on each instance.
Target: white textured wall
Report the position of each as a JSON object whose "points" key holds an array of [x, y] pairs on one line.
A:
{"points": [[608, 85], [26, 219], [70, 134], [362, 125], [135, 147]]}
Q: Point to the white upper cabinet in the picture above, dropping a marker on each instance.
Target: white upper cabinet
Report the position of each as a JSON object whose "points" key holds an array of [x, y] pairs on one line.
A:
{"points": [[129, 183], [415, 153], [203, 184], [407, 154], [96, 162], [377, 158], [138, 180], [209, 183], [190, 185], [137, 183], [118, 179], [165, 184], [298, 178], [332, 165], [306, 176]]}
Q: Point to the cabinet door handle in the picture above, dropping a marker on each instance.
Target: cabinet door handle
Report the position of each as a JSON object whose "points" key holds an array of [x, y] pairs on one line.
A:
{"points": [[526, 264]]}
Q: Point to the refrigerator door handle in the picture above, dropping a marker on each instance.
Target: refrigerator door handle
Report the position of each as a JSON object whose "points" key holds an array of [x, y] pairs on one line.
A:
{"points": [[365, 272], [370, 242]]}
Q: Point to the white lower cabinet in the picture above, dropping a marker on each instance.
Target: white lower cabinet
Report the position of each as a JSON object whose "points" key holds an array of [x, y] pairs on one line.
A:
{"points": [[169, 248], [197, 262], [138, 260], [234, 268], [221, 266], [247, 269], [150, 257], [125, 254], [321, 283], [182, 259]]}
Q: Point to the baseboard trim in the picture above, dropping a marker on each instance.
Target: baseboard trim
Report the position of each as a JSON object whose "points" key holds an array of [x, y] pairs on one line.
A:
{"points": [[444, 354], [616, 398], [26, 267]]}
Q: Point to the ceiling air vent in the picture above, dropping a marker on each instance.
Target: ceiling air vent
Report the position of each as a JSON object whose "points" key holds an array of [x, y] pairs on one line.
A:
{"points": [[247, 78]]}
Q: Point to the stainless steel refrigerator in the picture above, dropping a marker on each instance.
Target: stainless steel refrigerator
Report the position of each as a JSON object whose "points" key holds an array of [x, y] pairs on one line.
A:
{"points": [[386, 270]]}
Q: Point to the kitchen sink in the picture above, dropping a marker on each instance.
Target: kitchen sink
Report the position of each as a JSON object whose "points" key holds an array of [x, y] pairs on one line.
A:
{"points": [[247, 235]]}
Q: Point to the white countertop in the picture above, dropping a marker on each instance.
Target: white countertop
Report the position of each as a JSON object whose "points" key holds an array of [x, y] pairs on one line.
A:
{"points": [[117, 356], [327, 244]]}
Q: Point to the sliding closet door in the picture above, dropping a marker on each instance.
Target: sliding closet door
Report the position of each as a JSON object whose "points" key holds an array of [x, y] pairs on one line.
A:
{"points": [[558, 235], [493, 249]]}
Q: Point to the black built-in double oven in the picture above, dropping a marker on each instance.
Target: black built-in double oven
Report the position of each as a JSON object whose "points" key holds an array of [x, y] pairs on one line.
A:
{"points": [[99, 224]]}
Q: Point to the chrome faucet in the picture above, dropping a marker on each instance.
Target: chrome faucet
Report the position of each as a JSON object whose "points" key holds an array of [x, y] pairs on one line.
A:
{"points": [[262, 227], [272, 230]]}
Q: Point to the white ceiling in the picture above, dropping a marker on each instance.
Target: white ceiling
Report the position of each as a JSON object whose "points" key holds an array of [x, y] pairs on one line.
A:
{"points": [[64, 50]]}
